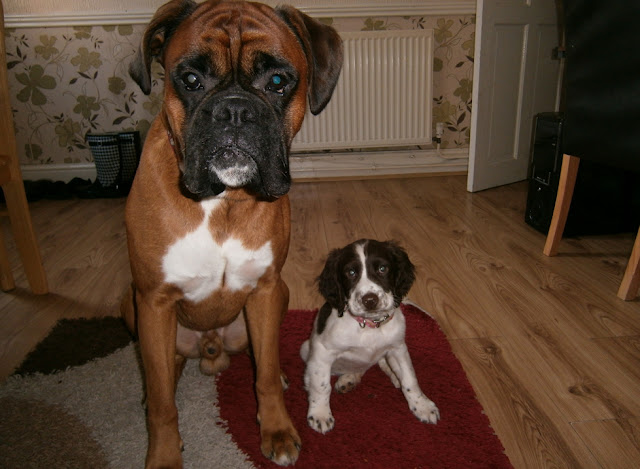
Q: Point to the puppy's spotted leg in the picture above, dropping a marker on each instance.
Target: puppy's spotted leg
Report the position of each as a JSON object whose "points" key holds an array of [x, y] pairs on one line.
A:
{"points": [[384, 366], [421, 406], [317, 380]]}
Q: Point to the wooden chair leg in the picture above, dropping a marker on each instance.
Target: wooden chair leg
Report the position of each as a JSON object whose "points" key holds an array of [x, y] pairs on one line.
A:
{"points": [[631, 280], [6, 277], [25, 238], [568, 174], [12, 185]]}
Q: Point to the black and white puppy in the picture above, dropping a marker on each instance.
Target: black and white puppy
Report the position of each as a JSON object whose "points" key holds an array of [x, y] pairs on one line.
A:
{"points": [[361, 324]]}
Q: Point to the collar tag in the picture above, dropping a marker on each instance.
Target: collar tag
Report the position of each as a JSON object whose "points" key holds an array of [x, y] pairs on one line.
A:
{"points": [[372, 323]]}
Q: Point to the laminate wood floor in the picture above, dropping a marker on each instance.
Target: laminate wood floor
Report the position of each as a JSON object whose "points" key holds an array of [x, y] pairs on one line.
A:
{"points": [[553, 354]]}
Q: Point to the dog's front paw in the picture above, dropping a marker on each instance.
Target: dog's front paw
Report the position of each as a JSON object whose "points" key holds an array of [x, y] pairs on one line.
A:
{"points": [[425, 410], [281, 447], [321, 420]]}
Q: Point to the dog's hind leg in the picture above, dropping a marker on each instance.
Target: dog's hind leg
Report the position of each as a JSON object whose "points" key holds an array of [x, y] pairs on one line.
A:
{"points": [[181, 361], [128, 308], [213, 357]]}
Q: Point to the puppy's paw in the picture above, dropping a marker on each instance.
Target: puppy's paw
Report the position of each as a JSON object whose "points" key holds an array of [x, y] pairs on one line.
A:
{"points": [[346, 383], [321, 420], [425, 410]]}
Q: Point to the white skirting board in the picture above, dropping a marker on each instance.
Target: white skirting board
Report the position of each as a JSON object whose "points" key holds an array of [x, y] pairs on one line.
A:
{"points": [[352, 165], [59, 172], [356, 165]]}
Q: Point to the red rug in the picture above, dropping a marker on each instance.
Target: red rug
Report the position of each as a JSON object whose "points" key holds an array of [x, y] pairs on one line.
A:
{"points": [[374, 426]]}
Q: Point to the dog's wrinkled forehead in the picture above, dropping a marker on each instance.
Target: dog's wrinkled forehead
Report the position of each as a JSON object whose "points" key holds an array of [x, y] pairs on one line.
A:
{"points": [[233, 37]]}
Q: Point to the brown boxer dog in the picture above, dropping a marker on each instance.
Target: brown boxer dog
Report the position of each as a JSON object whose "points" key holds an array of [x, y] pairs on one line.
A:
{"points": [[208, 216]]}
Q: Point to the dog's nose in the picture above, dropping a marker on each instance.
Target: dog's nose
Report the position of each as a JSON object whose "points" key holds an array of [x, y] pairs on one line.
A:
{"points": [[370, 300], [235, 111]]}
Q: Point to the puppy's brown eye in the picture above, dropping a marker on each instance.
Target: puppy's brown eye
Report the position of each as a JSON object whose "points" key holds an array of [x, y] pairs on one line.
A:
{"points": [[191, 81]]}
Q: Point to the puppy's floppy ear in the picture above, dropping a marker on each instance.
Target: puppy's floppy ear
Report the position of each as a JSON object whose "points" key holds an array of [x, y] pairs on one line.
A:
{"points": [[155, 39], [404, 272], [329, 282], [323, 47]]}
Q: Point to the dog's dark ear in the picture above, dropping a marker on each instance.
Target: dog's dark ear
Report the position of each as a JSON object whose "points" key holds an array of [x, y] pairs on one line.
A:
{"points": [[155, 38], [323, 47], [404, 272], [329, 282], [323, 317]]}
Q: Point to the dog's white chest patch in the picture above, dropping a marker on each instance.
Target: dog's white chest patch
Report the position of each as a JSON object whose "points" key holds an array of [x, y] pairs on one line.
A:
{"points": [[198, 265]]}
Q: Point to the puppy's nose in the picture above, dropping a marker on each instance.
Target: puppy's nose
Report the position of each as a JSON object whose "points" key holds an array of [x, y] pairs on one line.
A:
{"points": [[370, 300]]}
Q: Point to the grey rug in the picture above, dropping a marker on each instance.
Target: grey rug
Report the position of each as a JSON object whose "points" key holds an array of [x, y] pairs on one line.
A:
{"points": [[91, 416]]}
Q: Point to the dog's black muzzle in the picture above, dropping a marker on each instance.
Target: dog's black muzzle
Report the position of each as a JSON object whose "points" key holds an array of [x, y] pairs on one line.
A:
{"points": [[235, 139]]}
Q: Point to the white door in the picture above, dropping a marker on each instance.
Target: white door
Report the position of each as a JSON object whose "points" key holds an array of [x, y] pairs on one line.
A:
{"points": [[515, 77]]}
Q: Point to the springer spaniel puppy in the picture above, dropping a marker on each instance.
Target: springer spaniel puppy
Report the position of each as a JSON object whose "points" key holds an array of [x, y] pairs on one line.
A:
{"points": [[361, 324]]}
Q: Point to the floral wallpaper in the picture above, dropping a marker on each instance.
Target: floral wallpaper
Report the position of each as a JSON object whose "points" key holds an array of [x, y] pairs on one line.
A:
{"points": [[68, 81]]}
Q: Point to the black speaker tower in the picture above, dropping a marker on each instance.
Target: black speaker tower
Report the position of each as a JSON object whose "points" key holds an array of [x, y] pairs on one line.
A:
{"points": [[605, 199], [544, 170]]}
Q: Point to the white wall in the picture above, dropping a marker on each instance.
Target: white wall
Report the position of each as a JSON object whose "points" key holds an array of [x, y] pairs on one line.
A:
{"points": [[37, 17], [18, 8]]}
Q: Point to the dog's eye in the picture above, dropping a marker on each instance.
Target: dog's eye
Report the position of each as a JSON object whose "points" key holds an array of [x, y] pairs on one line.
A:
{"points": [[351, 273], [277, 84], [383, 269], [191, 81]]}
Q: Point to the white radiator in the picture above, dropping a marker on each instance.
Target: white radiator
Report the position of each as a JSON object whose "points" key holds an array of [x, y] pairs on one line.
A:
{"points": [[383, 97]]}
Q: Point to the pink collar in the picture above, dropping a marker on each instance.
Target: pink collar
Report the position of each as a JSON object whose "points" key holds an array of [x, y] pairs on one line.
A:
{"points": [[372, 323]]}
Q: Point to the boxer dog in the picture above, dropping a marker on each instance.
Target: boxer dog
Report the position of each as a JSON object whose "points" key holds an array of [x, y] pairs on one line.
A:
{"points": [[208, 217]]}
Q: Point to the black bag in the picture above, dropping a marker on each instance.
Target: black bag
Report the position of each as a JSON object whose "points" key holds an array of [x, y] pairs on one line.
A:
{"points": [[116, 156]]}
